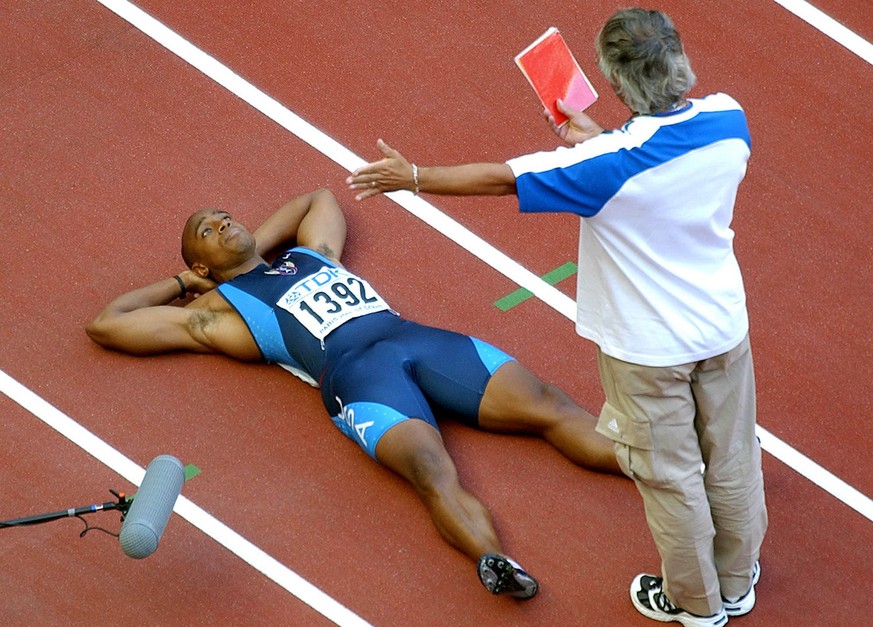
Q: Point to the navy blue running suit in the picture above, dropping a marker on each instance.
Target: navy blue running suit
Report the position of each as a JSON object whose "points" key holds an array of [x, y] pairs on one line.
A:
{"points": [[375, 369]]}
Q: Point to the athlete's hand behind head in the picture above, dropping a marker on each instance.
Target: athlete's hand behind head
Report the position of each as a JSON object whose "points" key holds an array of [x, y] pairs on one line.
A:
{"points": [[197, 284]]}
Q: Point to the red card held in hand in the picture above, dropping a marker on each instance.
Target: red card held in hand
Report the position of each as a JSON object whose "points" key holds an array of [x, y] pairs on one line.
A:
{"points": [[553, 72]]}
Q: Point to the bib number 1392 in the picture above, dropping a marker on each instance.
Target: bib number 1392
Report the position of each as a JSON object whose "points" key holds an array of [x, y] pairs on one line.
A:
{"points": [[327, 299]]}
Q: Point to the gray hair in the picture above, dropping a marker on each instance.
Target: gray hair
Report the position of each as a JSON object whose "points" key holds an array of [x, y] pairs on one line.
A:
{"points": [[640, 54]]}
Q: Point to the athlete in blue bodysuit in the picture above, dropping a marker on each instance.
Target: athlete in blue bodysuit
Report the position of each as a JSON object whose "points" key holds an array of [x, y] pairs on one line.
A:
{"points": [[375, 369], [381, 377]]}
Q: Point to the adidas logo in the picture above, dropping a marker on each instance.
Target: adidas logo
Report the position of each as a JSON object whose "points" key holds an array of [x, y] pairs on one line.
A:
{"points": [[613, 426]]}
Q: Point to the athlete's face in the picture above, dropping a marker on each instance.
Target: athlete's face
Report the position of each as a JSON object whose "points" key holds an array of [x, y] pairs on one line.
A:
{"points": [[215, 240]]}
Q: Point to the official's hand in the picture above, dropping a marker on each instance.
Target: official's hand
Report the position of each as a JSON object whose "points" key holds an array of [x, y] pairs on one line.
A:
{"points": [[196, 284], [389, 174], [578, 128]]}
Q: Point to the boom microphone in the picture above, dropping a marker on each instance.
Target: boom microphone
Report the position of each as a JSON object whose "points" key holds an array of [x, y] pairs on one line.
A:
{"points": [[152, 506]]}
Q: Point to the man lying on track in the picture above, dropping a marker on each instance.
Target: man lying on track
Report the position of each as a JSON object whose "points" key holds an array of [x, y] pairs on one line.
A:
{"points": [[381, 376]]}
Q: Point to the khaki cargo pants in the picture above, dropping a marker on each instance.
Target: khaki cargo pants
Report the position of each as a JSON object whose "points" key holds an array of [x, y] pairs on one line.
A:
{"points": [[686, 436]]}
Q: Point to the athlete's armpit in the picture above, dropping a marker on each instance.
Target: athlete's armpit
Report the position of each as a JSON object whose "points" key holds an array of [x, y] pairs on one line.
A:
{"points": [[203, 327], [223, 332], [200, 320], [327, 251]]}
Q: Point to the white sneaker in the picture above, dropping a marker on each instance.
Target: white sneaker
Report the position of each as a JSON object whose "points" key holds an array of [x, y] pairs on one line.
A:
{"points": [[647, 595]]}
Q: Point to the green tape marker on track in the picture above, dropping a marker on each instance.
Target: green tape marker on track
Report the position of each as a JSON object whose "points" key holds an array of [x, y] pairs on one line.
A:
{"points": [[552, 278], [191, 471]]}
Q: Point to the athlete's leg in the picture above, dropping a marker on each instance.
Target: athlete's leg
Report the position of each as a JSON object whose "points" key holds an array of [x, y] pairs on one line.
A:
{"points": [[371, 397], [414, 450], [516, 401]]}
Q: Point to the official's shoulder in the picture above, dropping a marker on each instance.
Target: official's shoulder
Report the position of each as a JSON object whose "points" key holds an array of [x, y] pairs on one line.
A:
{"points": [[719, 101]]}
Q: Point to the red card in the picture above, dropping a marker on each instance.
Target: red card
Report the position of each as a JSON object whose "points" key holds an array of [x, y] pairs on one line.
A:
{"points": [[553, 72]]}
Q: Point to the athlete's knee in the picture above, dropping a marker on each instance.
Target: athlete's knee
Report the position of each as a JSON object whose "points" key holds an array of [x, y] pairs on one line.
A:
{"points": [[545, 397], [552, 406], [432, 473], [558, 398]]}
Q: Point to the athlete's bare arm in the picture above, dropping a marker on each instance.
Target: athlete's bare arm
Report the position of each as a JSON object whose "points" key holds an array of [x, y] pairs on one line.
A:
{"points": [[143, 322], [313, 220]]}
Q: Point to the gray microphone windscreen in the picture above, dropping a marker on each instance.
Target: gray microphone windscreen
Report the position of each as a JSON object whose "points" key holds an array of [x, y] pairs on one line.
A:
{"points": [[151, 508]]}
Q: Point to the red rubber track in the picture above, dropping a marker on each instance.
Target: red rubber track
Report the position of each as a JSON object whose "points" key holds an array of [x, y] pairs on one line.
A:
{"points": [[109, 142]]}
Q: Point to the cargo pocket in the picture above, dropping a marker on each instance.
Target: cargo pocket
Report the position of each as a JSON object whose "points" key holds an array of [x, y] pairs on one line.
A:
{"points": [[628, 433]]}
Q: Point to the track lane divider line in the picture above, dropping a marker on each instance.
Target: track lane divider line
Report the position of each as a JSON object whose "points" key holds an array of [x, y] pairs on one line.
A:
{"points": [[823, 22], [820, 476]]}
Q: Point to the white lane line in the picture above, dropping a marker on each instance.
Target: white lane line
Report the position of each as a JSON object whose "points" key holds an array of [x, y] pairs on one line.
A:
{"points": [[208, 524], [823, 478], [830, 27]]}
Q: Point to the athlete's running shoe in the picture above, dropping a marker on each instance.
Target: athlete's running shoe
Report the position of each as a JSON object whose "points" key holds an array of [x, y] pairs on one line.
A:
{"points": [[502, 575], [745, 603], [647, 595]]}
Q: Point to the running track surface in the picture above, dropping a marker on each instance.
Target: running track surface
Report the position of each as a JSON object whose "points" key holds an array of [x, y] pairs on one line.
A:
{"points": [[109, 142]]}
